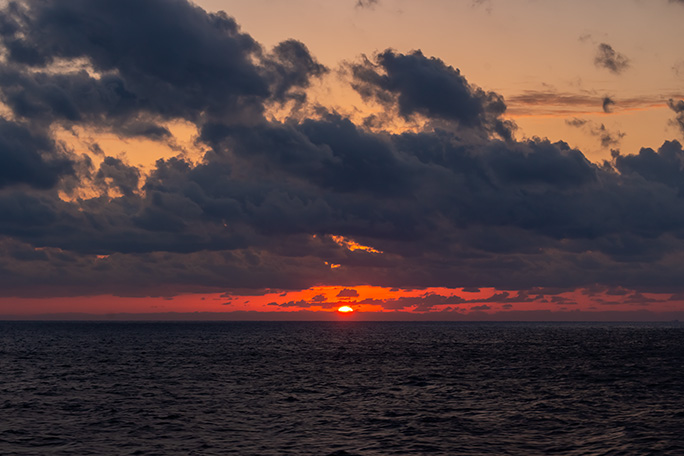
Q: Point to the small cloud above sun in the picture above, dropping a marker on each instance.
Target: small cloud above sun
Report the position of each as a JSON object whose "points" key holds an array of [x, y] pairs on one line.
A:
{"points": [[345, 309]]}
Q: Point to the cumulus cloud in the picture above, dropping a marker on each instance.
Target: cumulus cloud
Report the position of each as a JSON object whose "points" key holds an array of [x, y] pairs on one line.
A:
{"points": [[664, 166], [291, 66], [30, 157], [417, 84], [610, 59], [192, 64]]}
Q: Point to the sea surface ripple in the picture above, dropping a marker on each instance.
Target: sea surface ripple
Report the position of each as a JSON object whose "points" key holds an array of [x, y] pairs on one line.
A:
{"points": [[341, 388]]}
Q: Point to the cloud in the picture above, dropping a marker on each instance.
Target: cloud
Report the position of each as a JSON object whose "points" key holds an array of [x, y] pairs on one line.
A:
{"points": [[477, 3], [606, 137], [663, 167], [30, 157], [553, 102], [608, 58], [422, 303], [114, 174], [300, 303], [367, 3], [455, 202], [193, 65], [348, 293], [562, 301], [427, 86], [428, 301], [217, 73], [678, 68], [483, 307], [678, 108], [292, 66], [608, 104], [505, 297]]}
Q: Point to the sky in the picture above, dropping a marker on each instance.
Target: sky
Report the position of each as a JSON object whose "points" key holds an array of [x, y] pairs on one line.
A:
{"points": [[263, 159]]}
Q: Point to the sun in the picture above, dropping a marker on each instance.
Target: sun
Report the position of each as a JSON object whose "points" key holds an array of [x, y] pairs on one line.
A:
{"points": [[345, 309]]}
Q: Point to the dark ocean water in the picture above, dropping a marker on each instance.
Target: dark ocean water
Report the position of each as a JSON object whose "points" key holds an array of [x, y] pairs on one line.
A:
{"points": [[343, 388]]}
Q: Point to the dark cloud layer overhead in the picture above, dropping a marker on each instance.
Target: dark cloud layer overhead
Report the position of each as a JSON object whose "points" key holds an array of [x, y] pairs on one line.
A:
{"points": [[185, 63], [30, 157], [458, 202]]}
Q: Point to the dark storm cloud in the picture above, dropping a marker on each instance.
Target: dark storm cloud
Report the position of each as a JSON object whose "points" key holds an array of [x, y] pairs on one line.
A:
{"points": [[331, 152], [28, 157], [608, 104], [185, 59], [608, 58], [292, 66], [447, 204], [185, 63], [662, 167], [427, 86], [469, 210], [113, 173], [78, 98]]}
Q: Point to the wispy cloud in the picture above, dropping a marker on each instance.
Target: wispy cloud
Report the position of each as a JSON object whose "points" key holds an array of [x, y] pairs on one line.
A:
{"points": [[608, 139], [608, 58], [367, 3]]}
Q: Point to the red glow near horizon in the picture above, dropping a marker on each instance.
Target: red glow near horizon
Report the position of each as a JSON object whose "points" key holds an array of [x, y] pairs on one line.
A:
{"points": [[329, 300]]}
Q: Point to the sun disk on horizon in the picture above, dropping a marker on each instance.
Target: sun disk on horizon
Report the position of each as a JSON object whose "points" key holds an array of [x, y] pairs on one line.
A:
{"points": [[345, 309]]}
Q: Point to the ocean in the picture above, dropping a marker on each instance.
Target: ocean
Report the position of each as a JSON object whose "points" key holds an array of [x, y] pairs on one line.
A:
{"points": [[341, 388]]}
